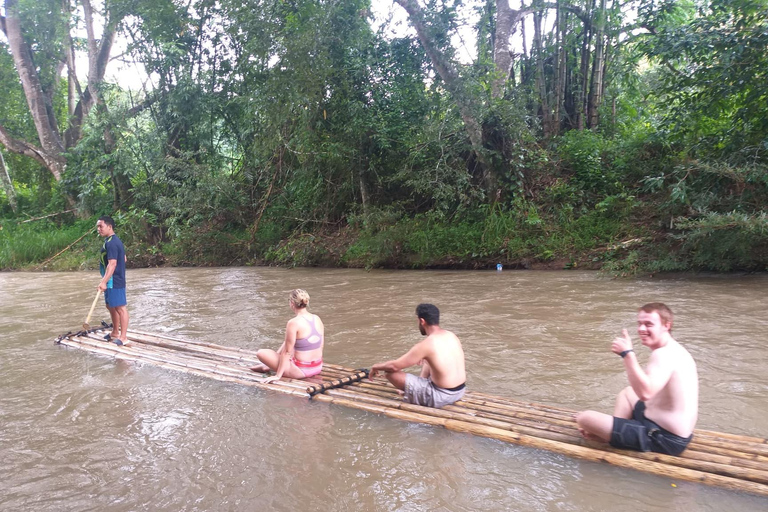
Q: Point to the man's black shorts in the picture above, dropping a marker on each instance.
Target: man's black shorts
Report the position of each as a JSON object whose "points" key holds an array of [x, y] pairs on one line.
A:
{"points": [[644, 435]]}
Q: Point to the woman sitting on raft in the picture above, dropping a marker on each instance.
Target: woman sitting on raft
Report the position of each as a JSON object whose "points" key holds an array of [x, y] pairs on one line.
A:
{"points": [[301, 354]]}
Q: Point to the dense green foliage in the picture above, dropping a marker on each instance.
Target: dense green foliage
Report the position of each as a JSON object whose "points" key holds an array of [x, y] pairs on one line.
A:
{"points": [[293, 133]]}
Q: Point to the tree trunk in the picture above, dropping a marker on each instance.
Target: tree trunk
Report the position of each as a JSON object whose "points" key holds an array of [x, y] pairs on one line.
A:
{"points": [[453, 83], [10, 193], [51, 153], [541, 84], [506, 21], [596, 89], [559, 85], [52, 148], [581, 103]]}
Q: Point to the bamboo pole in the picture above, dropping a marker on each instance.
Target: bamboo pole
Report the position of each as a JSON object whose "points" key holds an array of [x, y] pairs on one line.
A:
{"points": [[698, 434], [726, 457], [61, 251], [581, 452], [162, 358], [715, 456], [197, 349], [719, 446], [571, 435], [313, 390], [193, 342], [565, 417], [152, 355], [46, 216], [735, 437], [147, 356]]}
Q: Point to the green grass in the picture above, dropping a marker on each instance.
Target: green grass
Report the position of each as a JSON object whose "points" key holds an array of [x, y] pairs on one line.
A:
{"points": [[505, 236], [24, 245]]}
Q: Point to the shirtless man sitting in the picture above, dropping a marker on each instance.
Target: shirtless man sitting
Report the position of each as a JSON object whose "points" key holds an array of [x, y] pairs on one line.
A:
{"points": [[442, 364], [658, 411]]}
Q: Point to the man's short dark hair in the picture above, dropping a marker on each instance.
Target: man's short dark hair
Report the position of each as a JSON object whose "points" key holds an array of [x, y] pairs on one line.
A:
{"points": [[106, 219], [429, 313]]}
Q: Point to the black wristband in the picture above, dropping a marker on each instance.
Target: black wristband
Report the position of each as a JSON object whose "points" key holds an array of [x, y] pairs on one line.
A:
{"points": [[625, 352]]}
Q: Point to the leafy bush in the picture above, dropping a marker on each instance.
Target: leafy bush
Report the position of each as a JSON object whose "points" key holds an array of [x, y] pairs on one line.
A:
{"points": [[581, 153], [725, 242]]}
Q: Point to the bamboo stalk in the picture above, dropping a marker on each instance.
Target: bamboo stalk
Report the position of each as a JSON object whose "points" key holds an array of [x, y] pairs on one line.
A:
{"points": [[731, 461], [61, 251], [700, 436], [728, 457], [739, 445], [558, 416], [219, 372], [193, 342], [204, 351], [718, 465], [159, 359], [735, 437], [162, 358], [313, 390], [722, 447], [581, 452], [442, 413]]}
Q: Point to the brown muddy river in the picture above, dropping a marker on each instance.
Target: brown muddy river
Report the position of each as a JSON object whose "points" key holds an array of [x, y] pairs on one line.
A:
{"points": [[80, 431]]}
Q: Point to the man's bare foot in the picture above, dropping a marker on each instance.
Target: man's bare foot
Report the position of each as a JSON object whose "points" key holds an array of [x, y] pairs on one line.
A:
{"points": [[260, 368]]}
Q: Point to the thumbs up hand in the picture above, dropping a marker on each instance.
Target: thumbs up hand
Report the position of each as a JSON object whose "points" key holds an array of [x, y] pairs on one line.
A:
{"points": [[621, 343]]}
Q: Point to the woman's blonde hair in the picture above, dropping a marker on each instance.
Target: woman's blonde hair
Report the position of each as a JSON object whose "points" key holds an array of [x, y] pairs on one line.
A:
{"points": [[299, 298]]}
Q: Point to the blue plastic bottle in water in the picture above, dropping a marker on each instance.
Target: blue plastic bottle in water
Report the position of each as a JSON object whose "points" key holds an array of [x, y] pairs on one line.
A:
{"points": [[498, 267]]}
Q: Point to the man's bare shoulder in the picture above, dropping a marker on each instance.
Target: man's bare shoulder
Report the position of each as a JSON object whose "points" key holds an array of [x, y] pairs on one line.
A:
{"points": [[443, 336], [672, 352]]}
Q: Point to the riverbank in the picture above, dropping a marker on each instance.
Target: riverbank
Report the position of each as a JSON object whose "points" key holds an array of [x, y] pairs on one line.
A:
{"points": [[623, 238]]}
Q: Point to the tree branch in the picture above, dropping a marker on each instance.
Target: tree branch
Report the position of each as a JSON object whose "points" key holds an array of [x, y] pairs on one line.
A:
{"points": [[448, 73], [20, 147], [137, 109]]}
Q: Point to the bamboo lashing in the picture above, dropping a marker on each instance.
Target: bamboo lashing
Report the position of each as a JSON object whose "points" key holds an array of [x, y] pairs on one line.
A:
{"points": [[731, 461], [355, 377]]}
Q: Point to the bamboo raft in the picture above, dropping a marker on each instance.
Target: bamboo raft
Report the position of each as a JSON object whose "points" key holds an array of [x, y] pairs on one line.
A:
{"points": [[730, 461]]}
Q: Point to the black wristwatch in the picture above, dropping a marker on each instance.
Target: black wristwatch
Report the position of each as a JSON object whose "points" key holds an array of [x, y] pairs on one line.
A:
{"points": [[624, 353]]}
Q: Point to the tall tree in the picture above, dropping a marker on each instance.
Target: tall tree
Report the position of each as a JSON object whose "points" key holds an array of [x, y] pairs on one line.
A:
{"points": [[39, 39], [447, 70]]}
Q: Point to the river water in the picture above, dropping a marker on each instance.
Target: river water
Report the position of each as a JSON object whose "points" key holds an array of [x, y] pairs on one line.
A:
{"points": [[80, 431]]}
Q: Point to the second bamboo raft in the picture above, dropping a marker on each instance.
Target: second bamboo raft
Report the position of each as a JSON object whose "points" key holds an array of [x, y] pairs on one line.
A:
{"points": [[730, 461]]}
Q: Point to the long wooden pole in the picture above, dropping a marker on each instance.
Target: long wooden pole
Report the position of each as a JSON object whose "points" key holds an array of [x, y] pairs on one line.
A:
{"points": [[62, 251], [90, 311]]}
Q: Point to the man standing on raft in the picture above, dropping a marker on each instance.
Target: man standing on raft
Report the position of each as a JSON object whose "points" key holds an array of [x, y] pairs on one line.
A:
{"points": [[442, 364], [658, 411], [112, 268]]}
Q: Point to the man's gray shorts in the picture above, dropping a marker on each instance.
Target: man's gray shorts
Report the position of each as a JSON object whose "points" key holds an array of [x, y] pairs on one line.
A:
{"points": [[421, 391]]}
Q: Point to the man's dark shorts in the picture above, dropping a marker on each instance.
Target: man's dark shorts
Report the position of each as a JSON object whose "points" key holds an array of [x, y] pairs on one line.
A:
{"points": [[115, 297], [644, 435]]}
